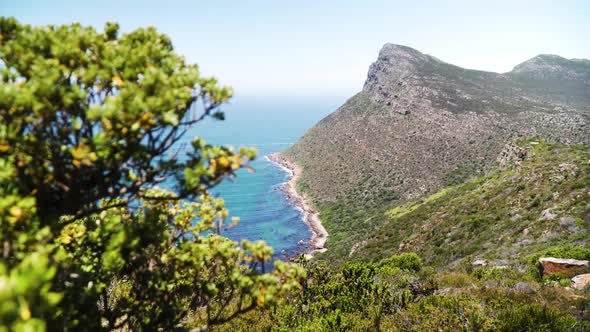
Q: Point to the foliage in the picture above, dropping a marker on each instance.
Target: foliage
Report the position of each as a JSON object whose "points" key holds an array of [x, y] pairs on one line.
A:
{"points": [[90, 123], [89, 115], [363, 283], [533, 318], [330, 297], [565, 251], [497, 217], [25, 293], [387, 296]]}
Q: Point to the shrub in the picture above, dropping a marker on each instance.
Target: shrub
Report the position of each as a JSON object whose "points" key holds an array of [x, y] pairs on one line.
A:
{"points": [[406, 261], [533, 317]]}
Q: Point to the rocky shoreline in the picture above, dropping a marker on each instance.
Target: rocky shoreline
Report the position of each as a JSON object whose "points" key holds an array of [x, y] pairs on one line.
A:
{"points": [[310, 214]]}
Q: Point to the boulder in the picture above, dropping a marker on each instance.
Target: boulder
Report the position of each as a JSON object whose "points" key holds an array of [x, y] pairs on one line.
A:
{"points": [[581, 281], [479, 263], [562, 266]]}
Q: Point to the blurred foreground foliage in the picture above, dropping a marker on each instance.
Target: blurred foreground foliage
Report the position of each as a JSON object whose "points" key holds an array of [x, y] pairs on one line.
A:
{"points": [[90, 124]]}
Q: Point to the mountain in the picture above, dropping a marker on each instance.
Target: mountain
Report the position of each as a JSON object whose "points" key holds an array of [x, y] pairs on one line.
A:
{"points": [[563, 80], [454, 199], [466, 257], [420, 124]]}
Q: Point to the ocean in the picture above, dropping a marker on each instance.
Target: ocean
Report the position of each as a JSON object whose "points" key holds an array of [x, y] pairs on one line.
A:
{"points": [[269, 124]]}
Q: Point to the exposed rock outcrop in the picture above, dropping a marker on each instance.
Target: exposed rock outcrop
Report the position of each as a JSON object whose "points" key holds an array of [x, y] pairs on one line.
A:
{"points": [[511, 155], [563, 267]]}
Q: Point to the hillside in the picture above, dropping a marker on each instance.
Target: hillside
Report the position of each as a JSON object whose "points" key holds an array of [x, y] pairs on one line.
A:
{"points": [[537, 200], [464, 258], [441, 188], [420, 124]]}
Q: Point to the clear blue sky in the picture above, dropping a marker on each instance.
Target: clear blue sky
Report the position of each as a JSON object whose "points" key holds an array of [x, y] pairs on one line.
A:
{"points": [[325, 47]]}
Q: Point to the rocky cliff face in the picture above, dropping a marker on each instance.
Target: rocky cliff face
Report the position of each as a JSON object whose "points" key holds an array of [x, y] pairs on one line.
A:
{"points": [[420, 123]]}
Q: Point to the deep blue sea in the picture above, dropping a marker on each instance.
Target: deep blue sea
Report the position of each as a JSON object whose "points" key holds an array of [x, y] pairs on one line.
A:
{"points": [[270, 125]]}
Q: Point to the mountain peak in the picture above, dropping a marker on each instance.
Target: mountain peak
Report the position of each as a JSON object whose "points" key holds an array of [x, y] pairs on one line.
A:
{"points": [[394, 64], [400, 55], [540, 62], [550, 66]]}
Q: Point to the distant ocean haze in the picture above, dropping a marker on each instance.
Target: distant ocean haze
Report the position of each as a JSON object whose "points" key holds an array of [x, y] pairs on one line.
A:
{"points": [[269, 124]]}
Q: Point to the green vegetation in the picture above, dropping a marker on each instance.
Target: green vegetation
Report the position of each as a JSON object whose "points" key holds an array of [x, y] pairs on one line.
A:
{"points": [[88, 125], [401, 294], [504, 217], [364, 283]]}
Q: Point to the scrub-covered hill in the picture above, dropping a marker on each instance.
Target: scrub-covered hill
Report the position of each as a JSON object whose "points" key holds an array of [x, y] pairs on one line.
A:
{"points": [[420, 124], [538, 198]]}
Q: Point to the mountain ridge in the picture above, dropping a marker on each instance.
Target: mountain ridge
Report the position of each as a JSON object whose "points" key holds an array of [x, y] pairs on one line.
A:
{"points": [[420, 123]]}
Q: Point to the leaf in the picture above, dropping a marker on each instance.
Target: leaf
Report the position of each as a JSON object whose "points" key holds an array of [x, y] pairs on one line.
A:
{"points": [[170, 118], [117, 81]]}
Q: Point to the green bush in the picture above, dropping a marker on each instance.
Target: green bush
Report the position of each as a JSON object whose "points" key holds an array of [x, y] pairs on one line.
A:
{"points": [[90, 122], [533, 317], [406, 261]]}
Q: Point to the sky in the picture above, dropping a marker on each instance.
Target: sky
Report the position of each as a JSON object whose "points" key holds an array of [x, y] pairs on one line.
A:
{"points": [[324, 48]]}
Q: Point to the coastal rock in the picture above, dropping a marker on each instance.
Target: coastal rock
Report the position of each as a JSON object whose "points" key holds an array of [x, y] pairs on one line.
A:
{"points": [[420, 124], [570, 224], [565, 267], [581, 281], [554, 67]]}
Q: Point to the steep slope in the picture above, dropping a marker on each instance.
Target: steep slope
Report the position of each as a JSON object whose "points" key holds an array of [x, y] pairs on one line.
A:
{"points": [[420, 124], [538, 198]]}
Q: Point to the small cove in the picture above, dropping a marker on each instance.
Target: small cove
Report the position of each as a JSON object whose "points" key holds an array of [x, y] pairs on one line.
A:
{"points": [[270, 125]]}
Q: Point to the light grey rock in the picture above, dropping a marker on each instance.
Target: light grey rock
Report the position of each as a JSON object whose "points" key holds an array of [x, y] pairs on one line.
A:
{"points": [[569, 223], [581, 281], [511, 156], [427, 122], [547, 215], [479, 263]]}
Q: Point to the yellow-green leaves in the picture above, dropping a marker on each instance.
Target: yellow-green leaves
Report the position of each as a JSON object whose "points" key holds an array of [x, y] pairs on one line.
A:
{"points": [[16, 209], [72, 233], [24, 289], [117, 81], [89, 125], [107, 99], [110, 30], [170, 117], [82, 155], [259, 250]]}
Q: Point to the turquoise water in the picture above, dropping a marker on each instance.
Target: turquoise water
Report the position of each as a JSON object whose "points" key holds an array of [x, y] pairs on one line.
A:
{"points": [[270, 125]]}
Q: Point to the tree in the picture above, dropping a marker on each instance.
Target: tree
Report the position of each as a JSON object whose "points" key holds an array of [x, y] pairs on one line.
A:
{"points": [[90, 124]]}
